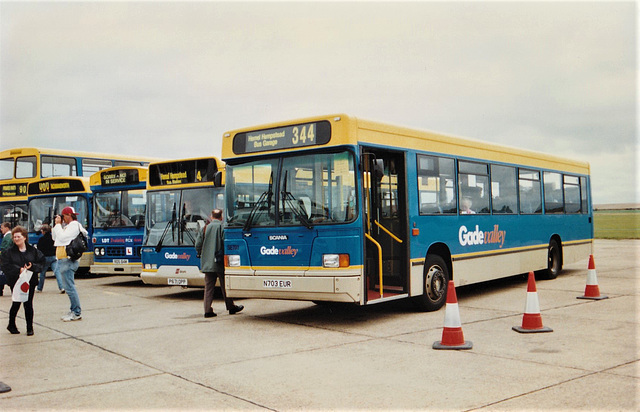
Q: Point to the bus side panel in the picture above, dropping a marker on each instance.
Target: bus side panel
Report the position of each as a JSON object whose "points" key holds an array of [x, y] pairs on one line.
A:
{"points": [[487, 247]]}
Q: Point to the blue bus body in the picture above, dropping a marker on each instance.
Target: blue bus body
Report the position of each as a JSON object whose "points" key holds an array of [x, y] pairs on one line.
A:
{"points": [[352, 218], [180, 197], [119, 207]]}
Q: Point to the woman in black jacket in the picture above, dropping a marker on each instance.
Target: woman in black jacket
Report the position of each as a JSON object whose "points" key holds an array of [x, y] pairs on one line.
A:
{"points": [[19, 257]]}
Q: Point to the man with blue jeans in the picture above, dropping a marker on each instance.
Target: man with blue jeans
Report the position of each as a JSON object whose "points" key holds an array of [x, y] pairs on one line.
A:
{"points": [[63, 234]]}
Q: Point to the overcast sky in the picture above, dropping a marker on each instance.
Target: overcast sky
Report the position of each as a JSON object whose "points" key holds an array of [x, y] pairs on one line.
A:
{"points": [[168, 79]]}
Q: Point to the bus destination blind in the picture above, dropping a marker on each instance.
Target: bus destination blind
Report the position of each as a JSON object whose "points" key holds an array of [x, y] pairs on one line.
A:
{"points": [[288, 137], [56, 186], [119, 177], [13, 189]]}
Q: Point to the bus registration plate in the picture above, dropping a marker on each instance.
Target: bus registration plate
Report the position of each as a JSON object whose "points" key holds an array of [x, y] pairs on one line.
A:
{"points": [[177, 282], [120, 261], [277, 284]]}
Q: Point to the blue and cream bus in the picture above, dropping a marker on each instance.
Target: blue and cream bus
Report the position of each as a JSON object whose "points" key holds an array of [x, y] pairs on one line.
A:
{"points": [[119, 207], [342, 209], [180, 197], [47, 198]]}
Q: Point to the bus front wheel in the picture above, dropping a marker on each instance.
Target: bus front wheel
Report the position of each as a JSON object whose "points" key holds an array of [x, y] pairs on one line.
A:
{"points": [[436, 280]]}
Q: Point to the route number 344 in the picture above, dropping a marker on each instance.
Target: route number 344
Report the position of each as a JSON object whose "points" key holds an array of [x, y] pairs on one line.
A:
{"points": [[302, 135]]}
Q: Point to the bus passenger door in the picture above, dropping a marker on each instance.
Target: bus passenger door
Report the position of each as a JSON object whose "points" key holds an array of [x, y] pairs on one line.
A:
{"points": [[386, 224]]}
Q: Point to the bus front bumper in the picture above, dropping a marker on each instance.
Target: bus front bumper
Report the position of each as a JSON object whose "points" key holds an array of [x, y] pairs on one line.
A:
{"points": [[173, 276], [111, 269], [328, 288]]}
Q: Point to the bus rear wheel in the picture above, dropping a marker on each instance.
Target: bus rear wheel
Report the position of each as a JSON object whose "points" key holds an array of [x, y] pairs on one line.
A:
{"points": [[554, 262], [436, 281]]}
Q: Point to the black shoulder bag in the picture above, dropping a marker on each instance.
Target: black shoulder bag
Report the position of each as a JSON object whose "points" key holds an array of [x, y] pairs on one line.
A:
{"points": [[77, 247]]}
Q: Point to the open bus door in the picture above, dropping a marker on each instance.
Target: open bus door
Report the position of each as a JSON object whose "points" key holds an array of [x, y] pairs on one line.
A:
{"points": [[386, 244]]}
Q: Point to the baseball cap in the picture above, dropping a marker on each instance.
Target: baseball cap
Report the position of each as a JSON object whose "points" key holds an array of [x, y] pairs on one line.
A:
{"points": [[68, 211]]}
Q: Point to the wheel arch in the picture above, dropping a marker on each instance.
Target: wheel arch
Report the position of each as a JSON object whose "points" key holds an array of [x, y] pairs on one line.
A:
{"points": [[443, 251]]}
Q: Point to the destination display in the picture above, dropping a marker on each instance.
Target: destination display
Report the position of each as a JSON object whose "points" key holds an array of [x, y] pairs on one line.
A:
{"points": [[56, 186], [120, 177], [13, 190], [288, 137], [182, 172]]}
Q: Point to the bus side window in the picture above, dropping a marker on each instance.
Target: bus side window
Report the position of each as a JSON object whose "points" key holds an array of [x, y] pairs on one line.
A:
{"points": [[530, 193], [436, 185]]}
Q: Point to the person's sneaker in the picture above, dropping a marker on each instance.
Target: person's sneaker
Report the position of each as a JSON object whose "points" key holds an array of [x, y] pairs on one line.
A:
{"points": [[71, 317], [62, 291], [210, 315], [39, 290]]}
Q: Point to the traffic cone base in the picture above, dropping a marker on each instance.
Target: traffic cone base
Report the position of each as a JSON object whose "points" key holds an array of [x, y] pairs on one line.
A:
{"points": [[543, 329], [466, 345], [452, 336], [593, 297]]}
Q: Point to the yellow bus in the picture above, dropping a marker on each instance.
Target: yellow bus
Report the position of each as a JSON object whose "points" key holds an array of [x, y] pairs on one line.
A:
{"points": [[180, 197], [341, 209], [19, 166]]}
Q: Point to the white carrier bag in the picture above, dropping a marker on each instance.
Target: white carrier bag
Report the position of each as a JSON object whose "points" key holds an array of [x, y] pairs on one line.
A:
{"points": [[21, 288]]}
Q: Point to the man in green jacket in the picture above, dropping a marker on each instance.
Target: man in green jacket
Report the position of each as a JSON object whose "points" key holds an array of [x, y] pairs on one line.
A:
{"points": [[210, 241]]}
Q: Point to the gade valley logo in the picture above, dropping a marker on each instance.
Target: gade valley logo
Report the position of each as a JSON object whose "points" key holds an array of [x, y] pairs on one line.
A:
{"points": [[478, 237], [274, 251]]}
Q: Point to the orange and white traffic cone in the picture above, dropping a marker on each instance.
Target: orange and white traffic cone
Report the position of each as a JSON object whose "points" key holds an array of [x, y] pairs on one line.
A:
{"points": [[592, 290], [452, 336], [532, 320]]}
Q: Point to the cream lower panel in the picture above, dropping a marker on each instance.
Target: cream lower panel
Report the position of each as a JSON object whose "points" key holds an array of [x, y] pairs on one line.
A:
{"points": [[116, 269], [191, 274], [330, 289], [573, 253], [479, 269], [416, 283], [86, 260]]}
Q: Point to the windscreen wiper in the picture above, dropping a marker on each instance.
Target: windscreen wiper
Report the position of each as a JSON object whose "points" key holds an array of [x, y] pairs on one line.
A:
{"points": [[268, 195], [171, 224], [290, 200]]}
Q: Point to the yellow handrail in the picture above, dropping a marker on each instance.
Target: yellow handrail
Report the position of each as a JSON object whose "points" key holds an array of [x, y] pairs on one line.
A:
{"points": [[372, 240], [397, 239]]}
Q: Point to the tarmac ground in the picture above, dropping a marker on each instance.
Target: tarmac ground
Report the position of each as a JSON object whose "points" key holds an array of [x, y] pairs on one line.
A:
{"points": [[141, 347]]}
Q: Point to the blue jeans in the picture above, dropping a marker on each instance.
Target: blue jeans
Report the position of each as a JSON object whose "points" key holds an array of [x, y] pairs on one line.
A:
{"points": [[67, 269], [50, 262]]}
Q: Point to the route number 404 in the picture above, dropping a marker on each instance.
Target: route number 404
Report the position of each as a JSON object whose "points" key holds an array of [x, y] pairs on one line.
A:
{"points": [[301, 135]]}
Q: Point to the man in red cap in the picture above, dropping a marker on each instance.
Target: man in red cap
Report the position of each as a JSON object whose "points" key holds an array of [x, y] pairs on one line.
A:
{"points": [[65, 230]]}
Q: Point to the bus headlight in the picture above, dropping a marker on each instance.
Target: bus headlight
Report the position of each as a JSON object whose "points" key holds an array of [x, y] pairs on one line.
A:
{"points": [[232, 260], [335, 260]]}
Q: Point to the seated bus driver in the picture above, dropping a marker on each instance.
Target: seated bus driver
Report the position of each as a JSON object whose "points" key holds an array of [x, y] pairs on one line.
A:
{"points": [[465, 207]]}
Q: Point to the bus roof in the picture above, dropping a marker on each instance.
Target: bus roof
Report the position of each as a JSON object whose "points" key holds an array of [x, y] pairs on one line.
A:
{"points": [[30, 151], [347, 130]]}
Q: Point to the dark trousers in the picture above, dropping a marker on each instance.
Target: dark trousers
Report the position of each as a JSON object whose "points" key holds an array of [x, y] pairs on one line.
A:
{"points": [[28, 310], [209, 286]]}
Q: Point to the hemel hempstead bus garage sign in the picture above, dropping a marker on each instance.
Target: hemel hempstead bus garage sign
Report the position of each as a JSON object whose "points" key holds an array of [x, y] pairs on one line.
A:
{"points": [[300, 135]]}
